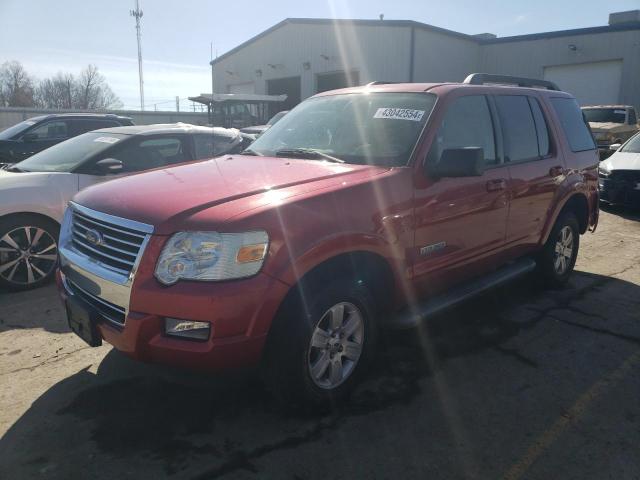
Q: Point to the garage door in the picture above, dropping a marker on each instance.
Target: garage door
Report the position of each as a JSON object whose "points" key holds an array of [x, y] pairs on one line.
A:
{"points": [[594, 83], [242, 88]]}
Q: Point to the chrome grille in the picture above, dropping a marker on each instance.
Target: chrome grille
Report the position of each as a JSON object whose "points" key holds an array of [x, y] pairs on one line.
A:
{"points": [[108, 310], [118, 246]]}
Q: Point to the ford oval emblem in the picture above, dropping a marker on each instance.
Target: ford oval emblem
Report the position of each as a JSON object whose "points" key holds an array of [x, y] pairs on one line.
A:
{"points": [[94, 237]]}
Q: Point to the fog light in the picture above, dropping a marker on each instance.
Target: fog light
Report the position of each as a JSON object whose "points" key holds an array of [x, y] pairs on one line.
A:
{"points": [[187, 328]]}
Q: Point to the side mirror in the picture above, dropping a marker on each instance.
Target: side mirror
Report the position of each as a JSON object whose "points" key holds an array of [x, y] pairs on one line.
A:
{"points": [[29, 137], [615, 146], [109, 166], [458, 162]]}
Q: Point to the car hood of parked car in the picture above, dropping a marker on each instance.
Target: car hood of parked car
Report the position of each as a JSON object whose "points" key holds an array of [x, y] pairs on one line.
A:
{"points": [[205, 194], [622, 161], [27, 179], [597, 127]]}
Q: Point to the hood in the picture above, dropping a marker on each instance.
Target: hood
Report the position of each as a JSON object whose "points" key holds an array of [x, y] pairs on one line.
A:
{"points": [[224, 186], [255, 129], [604, 126], [622, 161], [12, 180]]}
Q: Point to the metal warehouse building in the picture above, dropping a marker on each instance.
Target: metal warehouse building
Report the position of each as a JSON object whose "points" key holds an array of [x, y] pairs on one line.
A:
{"points": [[299, 57]]}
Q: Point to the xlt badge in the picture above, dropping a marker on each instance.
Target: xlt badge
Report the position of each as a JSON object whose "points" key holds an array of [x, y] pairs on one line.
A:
{"points": [[429, 249]]}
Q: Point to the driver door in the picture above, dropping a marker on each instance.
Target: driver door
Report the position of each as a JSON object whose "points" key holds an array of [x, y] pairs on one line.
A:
{"points": [[461, 222]]}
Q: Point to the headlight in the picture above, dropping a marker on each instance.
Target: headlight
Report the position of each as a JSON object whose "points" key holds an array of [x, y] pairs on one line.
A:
{"points": [[211, 256], [603, 171]]}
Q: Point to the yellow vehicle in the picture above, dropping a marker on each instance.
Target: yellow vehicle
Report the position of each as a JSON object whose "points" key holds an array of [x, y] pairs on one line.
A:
{"points": [[611, 124]]}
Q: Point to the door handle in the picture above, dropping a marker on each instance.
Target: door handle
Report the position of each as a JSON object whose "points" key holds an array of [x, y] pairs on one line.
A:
{"points": [[496, 185], [556, 171]]}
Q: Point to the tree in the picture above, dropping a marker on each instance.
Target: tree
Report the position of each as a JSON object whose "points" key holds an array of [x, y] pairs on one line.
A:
{"points": [[56, 92], [93, 93], [16, 86]]}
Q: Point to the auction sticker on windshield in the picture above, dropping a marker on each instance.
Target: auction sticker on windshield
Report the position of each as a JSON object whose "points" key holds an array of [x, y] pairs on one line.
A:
{"points": [[399, 114], [107, 139]]}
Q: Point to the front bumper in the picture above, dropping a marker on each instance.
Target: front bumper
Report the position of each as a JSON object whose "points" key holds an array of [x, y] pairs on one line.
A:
{"points": [[619, 191], [240, 317]]}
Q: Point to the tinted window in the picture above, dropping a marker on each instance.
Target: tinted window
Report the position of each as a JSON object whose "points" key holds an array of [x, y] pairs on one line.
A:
{"points": [[209, 146], [632, 117], [467, 123], [573, 124], [15, 129], [542, 129], [50, 131], [518, 127], [605, 115], [150, 153]]}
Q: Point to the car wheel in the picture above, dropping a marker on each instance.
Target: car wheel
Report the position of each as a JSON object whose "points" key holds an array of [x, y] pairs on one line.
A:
{"points": [[28, 251], [316, 355], [558, 257]]}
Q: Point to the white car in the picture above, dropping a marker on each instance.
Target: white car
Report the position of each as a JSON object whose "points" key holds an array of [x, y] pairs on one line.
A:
{"points": [[619, 175], [34, 193]]}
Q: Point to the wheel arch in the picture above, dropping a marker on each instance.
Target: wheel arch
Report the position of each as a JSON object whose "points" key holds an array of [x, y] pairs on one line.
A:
{"points": [[41, 216], [576, 202]]}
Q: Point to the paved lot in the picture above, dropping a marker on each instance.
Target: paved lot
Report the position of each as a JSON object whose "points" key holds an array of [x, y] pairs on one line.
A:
{"points": [[520, 384]]}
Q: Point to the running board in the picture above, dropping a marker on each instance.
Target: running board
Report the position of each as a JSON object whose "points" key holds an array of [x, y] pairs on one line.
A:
{"points": [[410, 319]]}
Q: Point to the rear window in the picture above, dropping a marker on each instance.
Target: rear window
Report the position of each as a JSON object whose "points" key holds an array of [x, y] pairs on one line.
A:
{"points": [[573, 124]]}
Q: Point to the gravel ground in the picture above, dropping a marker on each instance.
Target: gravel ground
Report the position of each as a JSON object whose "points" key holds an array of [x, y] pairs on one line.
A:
{"points": [[522, 383]]}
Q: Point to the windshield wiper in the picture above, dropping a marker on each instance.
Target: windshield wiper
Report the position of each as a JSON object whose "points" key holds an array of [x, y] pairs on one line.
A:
{"points": [[307, 153], [248, 151]]}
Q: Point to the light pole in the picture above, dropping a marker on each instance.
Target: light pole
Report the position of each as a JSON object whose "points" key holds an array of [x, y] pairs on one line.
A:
{"points": [[137, 13]]}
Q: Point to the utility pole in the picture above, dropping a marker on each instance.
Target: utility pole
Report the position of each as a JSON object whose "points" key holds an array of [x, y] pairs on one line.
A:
{"points": [[137, 13], [177, 103]]}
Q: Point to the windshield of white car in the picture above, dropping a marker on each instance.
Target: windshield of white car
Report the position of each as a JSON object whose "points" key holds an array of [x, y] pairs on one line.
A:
{"points": [[66, 156], [605, 115], [15, 130], [362, 128], [633, 145]]}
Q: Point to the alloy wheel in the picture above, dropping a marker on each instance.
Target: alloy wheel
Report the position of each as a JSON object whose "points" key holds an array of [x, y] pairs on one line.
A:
{"points": [[336, 345], [563, 252], [27, 255]]}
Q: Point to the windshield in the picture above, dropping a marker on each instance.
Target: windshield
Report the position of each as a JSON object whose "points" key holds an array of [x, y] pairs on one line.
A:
{"points": [[276, 118], [67, 155], [633, 145], [605, 115], [363, 128], [15, 130]]}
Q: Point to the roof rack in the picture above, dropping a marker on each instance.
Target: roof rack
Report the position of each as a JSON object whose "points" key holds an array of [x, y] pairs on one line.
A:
{"points": [[483, 78]]}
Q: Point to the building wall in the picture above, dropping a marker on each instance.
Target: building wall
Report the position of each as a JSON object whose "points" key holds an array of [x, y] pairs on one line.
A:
{"points": [[528, 58], [10, 116], [383, 53], [444, 58], [377, 53]]}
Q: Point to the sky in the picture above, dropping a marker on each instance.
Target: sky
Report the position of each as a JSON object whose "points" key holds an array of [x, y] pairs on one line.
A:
{"points": [[66, 35]]}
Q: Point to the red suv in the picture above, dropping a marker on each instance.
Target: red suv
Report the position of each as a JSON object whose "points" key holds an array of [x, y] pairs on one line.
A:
{"points": [[363, 208]]}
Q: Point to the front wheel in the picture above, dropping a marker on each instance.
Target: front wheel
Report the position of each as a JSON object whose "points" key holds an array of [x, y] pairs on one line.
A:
{"points": [[316, 354], [28, 251], [558, 257]]}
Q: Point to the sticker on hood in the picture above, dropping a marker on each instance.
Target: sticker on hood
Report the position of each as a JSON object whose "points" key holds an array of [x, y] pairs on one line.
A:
{"points": [[399, 114], [107, 139]]}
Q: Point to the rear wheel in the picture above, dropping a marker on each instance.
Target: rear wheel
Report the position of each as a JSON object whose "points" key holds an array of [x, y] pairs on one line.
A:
{"points": [[28, 251], [316, 355], [558, 257]]}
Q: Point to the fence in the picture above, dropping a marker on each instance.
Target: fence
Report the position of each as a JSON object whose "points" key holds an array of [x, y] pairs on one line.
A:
{"points": [[11, 115]]}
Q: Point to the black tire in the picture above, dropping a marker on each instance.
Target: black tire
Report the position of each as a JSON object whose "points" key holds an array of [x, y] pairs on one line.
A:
{"points": [[33, 264], [288, 357], [548, 270]]}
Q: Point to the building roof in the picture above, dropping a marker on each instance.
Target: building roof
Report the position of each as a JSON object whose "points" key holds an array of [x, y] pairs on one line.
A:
{"points": [[480, 39], [208, 98]]}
